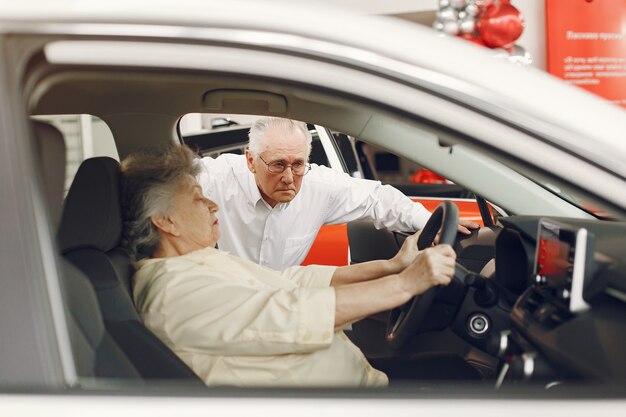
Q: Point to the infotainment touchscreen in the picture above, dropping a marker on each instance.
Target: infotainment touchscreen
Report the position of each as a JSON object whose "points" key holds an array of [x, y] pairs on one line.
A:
{"points": [[561, 261]]}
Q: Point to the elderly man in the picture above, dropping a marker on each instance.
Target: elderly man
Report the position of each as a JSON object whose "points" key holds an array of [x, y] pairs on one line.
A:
{"points": [[275, 202], [235, 322]]}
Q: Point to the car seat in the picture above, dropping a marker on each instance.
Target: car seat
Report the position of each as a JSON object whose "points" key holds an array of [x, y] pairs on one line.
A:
{"points": [[51, 152], [95, 353], [89, 237]]}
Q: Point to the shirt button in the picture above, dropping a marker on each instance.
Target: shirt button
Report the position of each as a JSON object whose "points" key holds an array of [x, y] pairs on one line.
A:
{"points": [[326, 335], [306, 337]]}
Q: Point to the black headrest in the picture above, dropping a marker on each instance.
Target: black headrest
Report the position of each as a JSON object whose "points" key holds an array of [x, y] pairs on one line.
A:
{"points": [[92, 215], [51, 151]]}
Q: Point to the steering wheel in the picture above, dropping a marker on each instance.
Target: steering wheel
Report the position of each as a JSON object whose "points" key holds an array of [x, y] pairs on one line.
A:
{"points": [[404, 320]]}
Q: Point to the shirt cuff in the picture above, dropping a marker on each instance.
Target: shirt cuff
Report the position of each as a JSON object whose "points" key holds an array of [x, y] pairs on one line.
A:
{"points": [[317, 319]]}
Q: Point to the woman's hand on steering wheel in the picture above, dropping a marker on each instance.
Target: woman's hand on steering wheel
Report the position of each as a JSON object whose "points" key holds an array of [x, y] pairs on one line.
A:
{"points": [[404, 321], [407, 253], [432, 267]]}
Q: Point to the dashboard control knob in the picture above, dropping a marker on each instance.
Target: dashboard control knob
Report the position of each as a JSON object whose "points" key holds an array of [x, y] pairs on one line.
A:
{"points": [[478, 324]]}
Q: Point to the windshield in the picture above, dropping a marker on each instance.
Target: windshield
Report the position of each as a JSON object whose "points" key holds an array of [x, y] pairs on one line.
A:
{"points": [[575, 199]]}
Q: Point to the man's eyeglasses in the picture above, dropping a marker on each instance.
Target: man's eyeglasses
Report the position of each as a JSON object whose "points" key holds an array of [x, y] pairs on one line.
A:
{"points": [[299, 168]]}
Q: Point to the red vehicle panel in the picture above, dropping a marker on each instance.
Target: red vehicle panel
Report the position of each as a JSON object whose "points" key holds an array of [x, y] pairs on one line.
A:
{"points": [[331, 244]]}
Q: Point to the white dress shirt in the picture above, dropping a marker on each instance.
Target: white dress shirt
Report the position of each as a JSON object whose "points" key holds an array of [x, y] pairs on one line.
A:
{"points": [[237, 323], [280, 237]]}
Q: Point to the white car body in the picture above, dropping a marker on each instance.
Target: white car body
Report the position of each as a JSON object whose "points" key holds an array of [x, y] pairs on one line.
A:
{"points": [[521, 119]]}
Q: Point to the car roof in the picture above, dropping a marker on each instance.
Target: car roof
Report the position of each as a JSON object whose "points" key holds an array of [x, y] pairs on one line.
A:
{"points": [[525, 96]]}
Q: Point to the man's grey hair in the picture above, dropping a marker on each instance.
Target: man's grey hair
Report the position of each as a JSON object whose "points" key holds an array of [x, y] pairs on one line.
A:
{"points": [[150, 179], [257, 136]]}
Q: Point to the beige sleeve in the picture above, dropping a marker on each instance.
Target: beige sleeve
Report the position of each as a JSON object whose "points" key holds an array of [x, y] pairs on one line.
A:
{"points": [[219, 316], [310, 275]]}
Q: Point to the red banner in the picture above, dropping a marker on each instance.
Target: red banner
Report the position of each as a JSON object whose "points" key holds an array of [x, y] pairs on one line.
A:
{"points": [[586, 45]]}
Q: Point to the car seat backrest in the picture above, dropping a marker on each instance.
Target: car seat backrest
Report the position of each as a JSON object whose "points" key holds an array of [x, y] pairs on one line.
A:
{"points": [[89, 234], [94, 351], [89, 237], [51, 150]]}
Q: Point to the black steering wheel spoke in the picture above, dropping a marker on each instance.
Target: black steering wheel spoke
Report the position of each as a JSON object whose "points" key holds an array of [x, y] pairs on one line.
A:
{"points": [[404, 321]]}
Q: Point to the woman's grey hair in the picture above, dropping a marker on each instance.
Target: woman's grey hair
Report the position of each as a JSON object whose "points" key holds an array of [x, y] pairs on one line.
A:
{"points": [[258, 131], [150, 179]]}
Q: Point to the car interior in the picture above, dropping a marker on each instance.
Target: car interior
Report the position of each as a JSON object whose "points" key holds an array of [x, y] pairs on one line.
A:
{"points": [[511, 319]]}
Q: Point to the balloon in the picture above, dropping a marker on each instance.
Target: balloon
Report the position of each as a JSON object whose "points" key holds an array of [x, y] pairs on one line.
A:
{"points": [[471, 9], [515, 54], [490, 23], [520, 56], [467, 25], [447, 14], [451, 27], [458, 4], [500, 25], [483, 4]]}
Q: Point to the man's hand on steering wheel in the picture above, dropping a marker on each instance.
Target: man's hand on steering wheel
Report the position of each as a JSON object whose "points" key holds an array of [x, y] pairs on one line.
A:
{"points": [[466, 226]]}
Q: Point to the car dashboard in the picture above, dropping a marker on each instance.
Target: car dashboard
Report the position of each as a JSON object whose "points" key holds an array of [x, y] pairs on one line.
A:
{"points": [[568, 323]]}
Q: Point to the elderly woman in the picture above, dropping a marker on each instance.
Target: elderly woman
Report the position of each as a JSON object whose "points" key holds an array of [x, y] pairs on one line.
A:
{"points": [[235, 322]]}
